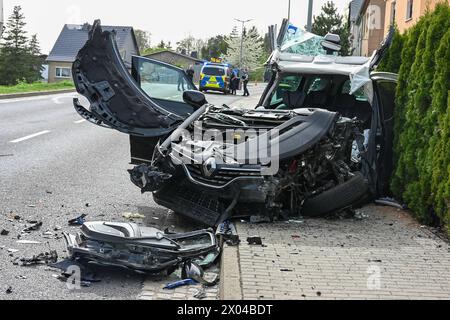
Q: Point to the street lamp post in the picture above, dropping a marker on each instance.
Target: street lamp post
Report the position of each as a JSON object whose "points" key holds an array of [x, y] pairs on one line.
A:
{"points": [[289, 11], [310, 15], [242, 38]]}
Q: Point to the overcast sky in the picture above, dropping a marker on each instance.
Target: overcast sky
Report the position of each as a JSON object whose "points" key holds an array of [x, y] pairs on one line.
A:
{"points": [[168, 20]]}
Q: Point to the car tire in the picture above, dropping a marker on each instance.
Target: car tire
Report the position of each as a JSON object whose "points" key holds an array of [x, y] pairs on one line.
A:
{"points": [[340, 197]]}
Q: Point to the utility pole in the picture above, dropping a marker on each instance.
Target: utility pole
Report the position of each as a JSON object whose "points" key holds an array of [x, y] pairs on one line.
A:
{"points": [[242, 39], [289, 11], [310, 15], [1, 18]]}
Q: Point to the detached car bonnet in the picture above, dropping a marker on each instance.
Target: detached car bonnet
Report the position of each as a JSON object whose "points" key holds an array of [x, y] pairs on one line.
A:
{"points": [[116, 100]]}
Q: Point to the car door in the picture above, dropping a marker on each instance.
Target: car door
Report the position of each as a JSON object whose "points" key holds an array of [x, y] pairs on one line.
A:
{"points": [[163, 83], [385, 85], [148, 105]]}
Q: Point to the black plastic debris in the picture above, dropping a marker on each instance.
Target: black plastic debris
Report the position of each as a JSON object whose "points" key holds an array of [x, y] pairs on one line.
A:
{"points": [[4, 232], [9, 290], [255, 241], [79, 221], [34, 227], [40, 259]]}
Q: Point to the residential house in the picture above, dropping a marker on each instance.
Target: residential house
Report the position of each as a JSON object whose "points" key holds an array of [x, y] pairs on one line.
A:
{"points": [[405, 13], [179, 60], [367, 24], [73, 37], [355, 8]]}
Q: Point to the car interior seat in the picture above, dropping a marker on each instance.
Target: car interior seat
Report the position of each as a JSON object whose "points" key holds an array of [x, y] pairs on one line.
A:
{"points": [[348, 106]]}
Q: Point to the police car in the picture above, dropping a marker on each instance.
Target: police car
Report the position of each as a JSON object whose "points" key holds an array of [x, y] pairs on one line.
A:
{"points": [[215, 77]]}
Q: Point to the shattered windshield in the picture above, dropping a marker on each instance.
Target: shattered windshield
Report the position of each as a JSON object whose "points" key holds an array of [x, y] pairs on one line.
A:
{"points": [[299, 41]]}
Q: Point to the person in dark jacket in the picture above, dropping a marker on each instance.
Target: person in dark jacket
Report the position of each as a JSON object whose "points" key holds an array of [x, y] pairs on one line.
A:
{"points": [[190, 72], [246, 80], [234, 83]]}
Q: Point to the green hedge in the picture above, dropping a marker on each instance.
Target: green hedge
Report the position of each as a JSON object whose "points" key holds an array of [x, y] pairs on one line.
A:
{"points": [[422, 142]]}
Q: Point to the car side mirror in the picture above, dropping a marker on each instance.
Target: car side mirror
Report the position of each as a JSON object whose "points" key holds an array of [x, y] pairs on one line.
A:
{"points": [[332, 43], [194, 98]]}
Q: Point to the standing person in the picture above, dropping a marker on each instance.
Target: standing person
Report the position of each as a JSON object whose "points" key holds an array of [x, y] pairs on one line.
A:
{"points": [[181, 81], [245, 80], [233, 83], [190, 72]]}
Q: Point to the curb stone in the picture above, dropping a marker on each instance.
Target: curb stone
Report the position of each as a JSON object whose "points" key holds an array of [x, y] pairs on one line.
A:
{"points": [[34, 94], [230, 275]]}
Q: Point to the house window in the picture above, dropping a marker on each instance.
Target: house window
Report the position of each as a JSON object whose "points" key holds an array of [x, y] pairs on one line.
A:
{"points": [[63, 72], [393, 12], [409, 10]]}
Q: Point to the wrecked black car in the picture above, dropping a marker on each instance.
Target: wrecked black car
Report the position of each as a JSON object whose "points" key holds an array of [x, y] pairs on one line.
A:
{"points": [[320, 139]]}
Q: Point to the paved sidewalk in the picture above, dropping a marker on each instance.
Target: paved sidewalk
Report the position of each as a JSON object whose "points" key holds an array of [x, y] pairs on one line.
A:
{"points": [[386, 255]]}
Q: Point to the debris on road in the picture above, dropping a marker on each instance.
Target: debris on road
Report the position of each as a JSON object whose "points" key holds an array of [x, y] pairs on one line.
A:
{"points": [[12, 250], [390, 202], [132, 216], [260, 219], [209, 260], [27, 242], [255, 241], [227, 232], [192, 270], [138, 248], [200, 294], [78, 221], [9, 290], [179, 284], [41, 259], [4, 232], [34, 227]]}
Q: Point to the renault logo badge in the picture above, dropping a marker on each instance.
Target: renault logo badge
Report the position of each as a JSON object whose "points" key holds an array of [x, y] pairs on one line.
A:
{"points": [[210, 167]]}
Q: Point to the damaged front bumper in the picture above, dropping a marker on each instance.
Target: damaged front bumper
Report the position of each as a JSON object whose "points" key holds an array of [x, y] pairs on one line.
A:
{"points": [[138, 248]]}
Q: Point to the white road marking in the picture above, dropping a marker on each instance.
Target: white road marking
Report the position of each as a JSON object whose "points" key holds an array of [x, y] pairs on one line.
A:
{"points": [[30, 136], [79, 121]]}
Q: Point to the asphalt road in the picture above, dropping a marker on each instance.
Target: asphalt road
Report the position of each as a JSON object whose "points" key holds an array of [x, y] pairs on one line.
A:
{"points": [[53, 167]]}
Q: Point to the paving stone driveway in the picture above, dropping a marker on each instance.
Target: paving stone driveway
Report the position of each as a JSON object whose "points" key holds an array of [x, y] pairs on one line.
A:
{"points": [[384, 256]]}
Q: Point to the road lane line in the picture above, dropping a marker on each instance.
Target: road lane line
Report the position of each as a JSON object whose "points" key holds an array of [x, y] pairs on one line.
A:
{"points": [[30, 136], [79, 121]]}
